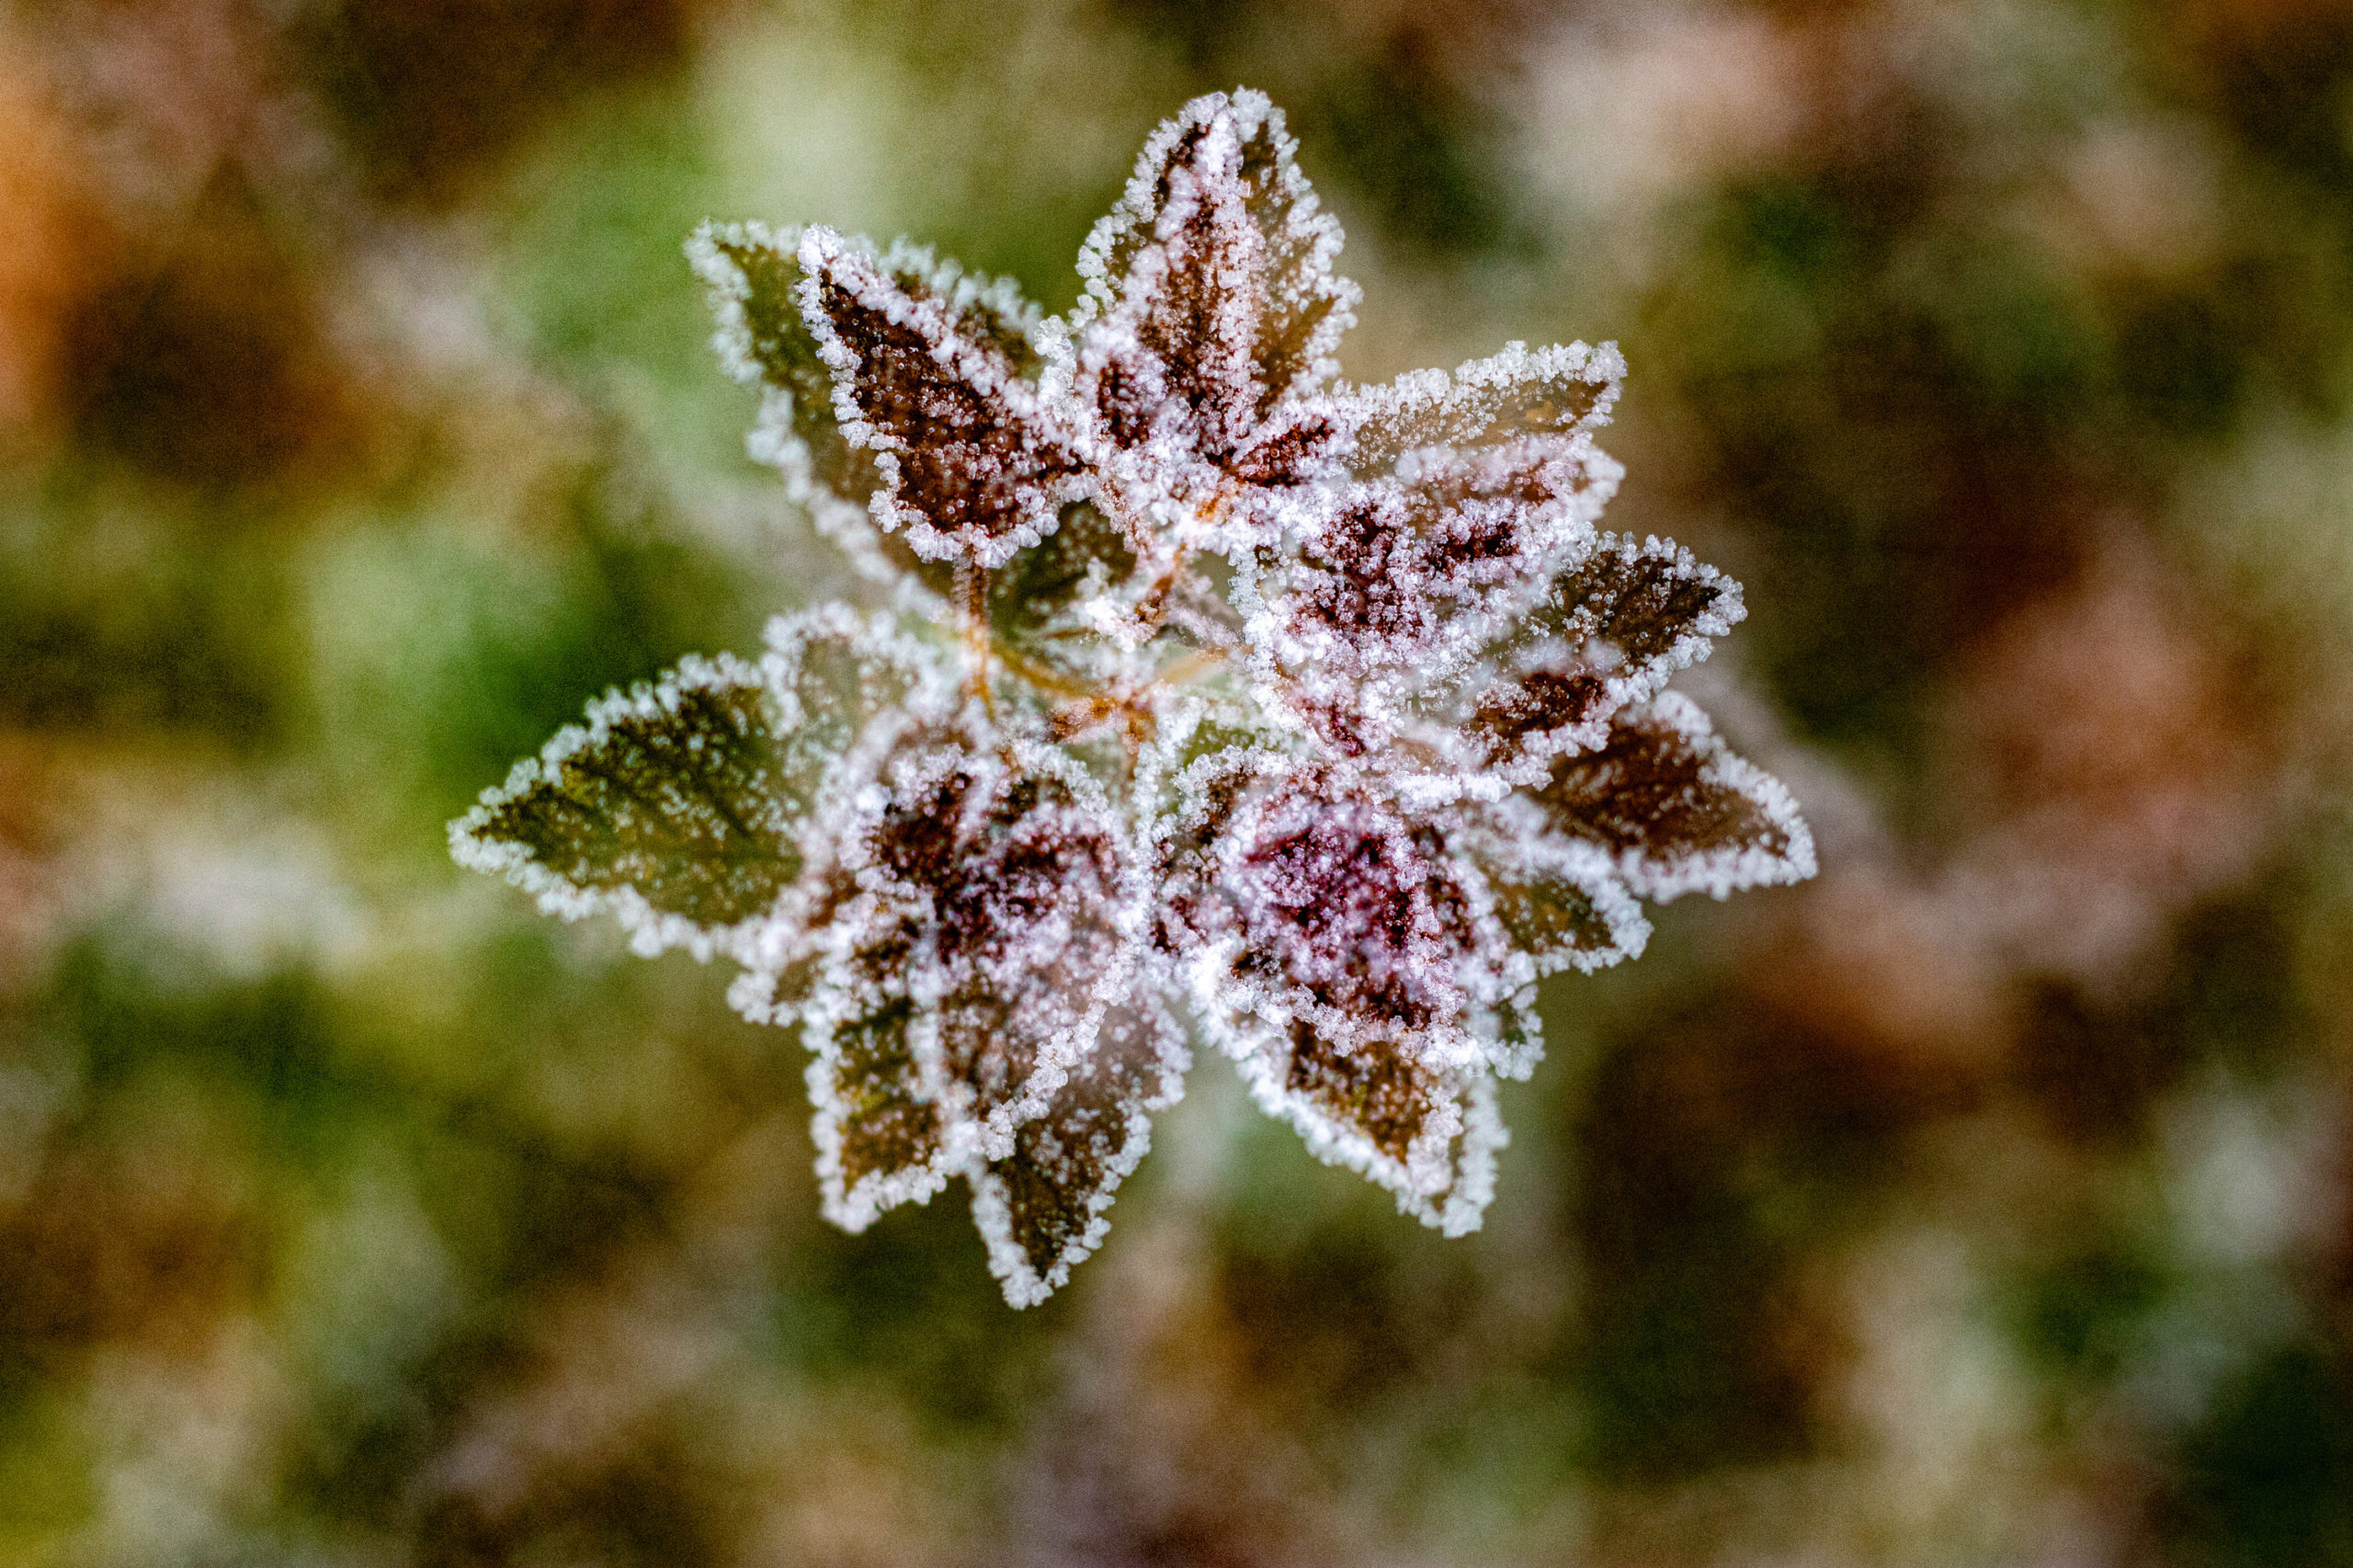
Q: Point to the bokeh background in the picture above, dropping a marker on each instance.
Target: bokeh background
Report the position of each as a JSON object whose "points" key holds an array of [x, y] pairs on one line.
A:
{"points": [[1984, 1201]]}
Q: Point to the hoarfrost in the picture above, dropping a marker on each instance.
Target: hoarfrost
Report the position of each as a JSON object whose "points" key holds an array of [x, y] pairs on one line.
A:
{"points": [[1215, 700]]}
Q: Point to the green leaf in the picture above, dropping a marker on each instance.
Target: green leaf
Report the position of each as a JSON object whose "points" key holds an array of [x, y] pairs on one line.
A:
{"points": [[754, 275], [674, 803], [678, 806]]}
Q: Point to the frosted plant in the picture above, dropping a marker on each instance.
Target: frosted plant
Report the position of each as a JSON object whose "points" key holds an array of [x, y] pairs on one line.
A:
{"points": [[1202, 697]]}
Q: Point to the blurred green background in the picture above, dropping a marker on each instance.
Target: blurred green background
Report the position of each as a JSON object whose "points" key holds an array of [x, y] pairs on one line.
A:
{"points": [[1988, 1200]]}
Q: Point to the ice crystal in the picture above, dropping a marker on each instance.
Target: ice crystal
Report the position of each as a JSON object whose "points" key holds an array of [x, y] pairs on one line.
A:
{"points": [[1205, 697]]}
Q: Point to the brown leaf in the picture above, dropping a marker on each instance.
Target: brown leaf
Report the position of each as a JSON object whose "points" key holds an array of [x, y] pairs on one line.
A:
{"points": [[1211, 298], [1041, 1208], [1676, 809], [930, 375], [989, 937], [1421, 570], [1427, 1133], [1617, 623]]}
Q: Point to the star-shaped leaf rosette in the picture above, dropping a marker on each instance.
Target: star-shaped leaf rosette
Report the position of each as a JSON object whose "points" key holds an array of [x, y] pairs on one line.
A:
{"points": [[1200, 697]]}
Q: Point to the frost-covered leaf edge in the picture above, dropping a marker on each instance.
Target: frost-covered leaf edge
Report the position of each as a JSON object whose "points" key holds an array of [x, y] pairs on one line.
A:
{"points": [[1447, 1187], [1305, 219], [1441, 395], [967, 1147], [652, 931], [1719, 873], [1024, 1284], [953, 294]]}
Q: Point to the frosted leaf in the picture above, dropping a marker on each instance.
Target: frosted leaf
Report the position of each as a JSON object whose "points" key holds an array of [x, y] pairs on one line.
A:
{"points": [[1675, 809], [1385, 590], [1428, 1134], [842, 675], [1044, 1206], [1338, 909], [1560, 901], [1035, 604], [1191, 781], [1350, 969], [673, 807], [1616, 624], [931, 374], [1017, 881], [679, 806], [1419, 571], [854, 690], [1211, 302], [754, 278], [1563, 392], [879, 1129], [992, 928]]}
